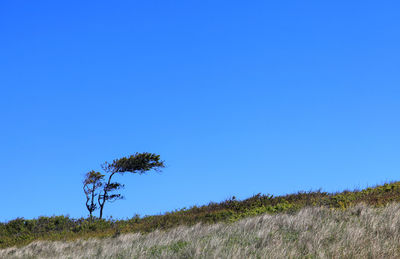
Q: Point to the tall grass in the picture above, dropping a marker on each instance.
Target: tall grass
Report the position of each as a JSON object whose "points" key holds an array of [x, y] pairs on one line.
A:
{"points": [[360, 231], [20, 232]]}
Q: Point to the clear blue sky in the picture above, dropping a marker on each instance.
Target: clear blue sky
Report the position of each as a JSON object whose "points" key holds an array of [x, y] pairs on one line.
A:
{"points": [[238, 97]]}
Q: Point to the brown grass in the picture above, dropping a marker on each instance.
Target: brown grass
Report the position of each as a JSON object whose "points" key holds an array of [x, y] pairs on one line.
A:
{"points": [[20, 232], [313, 232]]}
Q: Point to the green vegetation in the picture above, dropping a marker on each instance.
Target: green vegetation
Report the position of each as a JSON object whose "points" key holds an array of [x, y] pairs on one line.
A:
{"points": [[361, 231], [156, 251], [23, 231]]}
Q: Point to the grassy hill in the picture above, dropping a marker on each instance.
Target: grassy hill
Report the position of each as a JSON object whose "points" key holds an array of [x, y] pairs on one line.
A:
{"points": [[313, 232], [333, 210]]}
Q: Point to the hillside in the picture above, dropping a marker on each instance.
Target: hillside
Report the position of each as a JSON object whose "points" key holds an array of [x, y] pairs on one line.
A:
{"points": [[368, 216], [359, 232]]}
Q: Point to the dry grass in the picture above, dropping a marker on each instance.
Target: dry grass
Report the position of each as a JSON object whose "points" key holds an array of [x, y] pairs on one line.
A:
{"points": [[358, 232], [20, 232]]}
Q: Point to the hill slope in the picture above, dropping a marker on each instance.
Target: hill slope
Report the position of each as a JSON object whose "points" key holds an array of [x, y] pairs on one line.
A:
{"points": [[21, 232], [358, 232]]}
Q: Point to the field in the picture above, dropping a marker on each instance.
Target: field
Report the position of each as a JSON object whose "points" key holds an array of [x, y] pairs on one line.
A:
{"points": [[357, 224], [358, 232]]}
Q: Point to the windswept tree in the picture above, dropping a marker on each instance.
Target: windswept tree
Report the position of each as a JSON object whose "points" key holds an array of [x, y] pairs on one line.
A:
{"points": [[92, 186], [138, 163]]}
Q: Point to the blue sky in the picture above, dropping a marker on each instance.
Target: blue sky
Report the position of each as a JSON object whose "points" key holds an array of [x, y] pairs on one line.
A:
{"points": [[238, 97]]}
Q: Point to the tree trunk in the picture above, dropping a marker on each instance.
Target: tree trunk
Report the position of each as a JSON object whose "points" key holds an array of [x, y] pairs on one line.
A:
{"points": [[104, 196], [101, 212]]}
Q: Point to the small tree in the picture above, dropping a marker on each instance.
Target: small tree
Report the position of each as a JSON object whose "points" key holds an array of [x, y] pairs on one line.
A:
{"points": [[139, 163], [91, 186]]}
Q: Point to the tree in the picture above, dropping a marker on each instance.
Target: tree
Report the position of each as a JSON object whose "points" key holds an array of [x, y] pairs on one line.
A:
{"points": [[139, 163], [91, 186]]}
